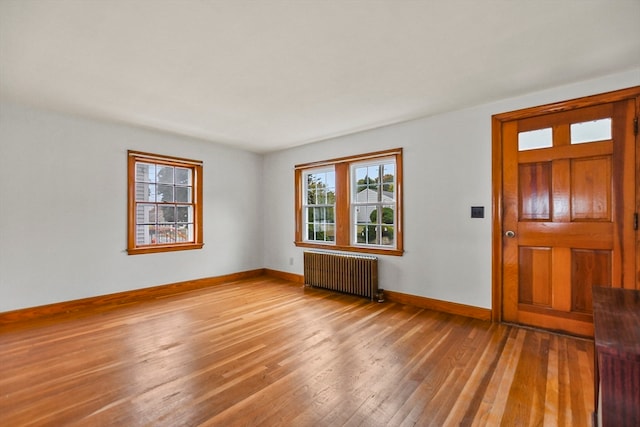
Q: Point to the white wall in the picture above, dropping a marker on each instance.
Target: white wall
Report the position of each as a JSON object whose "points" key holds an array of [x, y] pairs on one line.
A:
{"points": [[447, 169], [63, 203], [63, 195]]}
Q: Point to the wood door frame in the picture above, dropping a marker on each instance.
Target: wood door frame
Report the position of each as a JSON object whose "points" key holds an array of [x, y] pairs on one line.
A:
{"points": [[497, 179]]}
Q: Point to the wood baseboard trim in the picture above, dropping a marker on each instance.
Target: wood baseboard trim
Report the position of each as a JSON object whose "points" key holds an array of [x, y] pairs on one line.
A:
{"points": [[439, 305], [291, 277], [109, 301], [106, 302], [417, 301]]}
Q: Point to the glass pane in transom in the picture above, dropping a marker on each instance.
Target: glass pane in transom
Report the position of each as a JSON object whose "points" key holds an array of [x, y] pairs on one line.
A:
{"points": [[595, 130], [535, 139]]}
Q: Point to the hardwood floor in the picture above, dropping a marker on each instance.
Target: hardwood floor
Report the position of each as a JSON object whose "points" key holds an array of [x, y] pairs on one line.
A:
{"points": [[267, 352]]}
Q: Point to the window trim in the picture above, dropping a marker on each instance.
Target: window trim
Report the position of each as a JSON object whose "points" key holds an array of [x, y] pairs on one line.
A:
{"points": [[379, 205], [305, 188], [196, 167], [343, 220]]}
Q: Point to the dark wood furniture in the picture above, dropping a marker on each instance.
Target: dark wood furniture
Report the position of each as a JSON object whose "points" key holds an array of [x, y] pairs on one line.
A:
{"points": [[616, 318]]}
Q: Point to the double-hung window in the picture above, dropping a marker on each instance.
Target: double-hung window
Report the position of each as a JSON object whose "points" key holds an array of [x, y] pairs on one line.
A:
{"points": [[351, 204], [319, 202], [165, 203], [373, 202]]}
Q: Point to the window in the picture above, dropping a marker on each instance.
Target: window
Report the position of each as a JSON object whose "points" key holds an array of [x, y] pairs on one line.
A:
{"points": [[351, 204], [319, 203], [374, 202], [164, 203]]}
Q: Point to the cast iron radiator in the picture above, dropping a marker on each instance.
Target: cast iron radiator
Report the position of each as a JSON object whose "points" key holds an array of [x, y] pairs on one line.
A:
{"points": [[352, 274]]}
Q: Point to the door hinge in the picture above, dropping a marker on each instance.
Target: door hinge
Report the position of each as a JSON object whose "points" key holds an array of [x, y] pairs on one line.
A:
{"points": [[635, 126], [635, 221]]}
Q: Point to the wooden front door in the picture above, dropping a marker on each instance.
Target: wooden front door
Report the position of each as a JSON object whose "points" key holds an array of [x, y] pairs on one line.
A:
{"points": [[567, 202]]}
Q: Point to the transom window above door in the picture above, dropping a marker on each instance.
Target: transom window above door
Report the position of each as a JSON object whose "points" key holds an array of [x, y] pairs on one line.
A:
{"points": [[536, 137]]}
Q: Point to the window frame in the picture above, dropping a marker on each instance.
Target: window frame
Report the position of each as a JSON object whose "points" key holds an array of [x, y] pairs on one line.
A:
{"points": [[379, 204], [196, 169], [316, 205], [344, 221]]}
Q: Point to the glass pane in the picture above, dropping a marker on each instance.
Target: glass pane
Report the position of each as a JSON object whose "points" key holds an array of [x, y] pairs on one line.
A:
{"points": [[145, 234], [183, 194], [331, 197], [320, 187], [373, 173], [145, 192], [389, 172], [183, 176], [361, 236], [596, 130], [330, 179], [309, 214], [360, 174], [371, 234], [388, 192], [166, 214], [329, 215], [388, 235], [184, 214], [363, 214], [535, 139], [371, 214], [145, 214], [311, 197], [310, 232], [388, 182], [166, 233], [313, 179], [165, 193], [330, 233], [388, 215], [145, 172], [165, 174], [184, 233]]}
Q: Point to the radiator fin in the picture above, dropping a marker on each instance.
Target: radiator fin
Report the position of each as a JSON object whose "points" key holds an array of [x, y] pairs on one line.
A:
{"points": [[352, 274]]}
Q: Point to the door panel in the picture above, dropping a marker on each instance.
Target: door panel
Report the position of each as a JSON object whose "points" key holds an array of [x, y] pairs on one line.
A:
{"points": [[591, 189], [568, 196], [535, 268], [588, 266], [535, 191]]}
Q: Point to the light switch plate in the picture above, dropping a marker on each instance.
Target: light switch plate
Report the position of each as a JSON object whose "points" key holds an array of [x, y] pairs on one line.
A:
{"points": [[477, 211]]}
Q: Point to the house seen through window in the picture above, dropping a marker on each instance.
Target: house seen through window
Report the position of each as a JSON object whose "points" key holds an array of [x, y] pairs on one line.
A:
{"points": [[351, 204], [165, 203]]}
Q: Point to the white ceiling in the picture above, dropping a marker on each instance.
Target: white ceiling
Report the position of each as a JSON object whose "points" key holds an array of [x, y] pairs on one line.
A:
{"points": [[266, 75]]}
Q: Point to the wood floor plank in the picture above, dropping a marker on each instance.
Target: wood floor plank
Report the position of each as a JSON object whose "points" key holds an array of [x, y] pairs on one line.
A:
{"points": [[266, 352], [552, 389]]}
